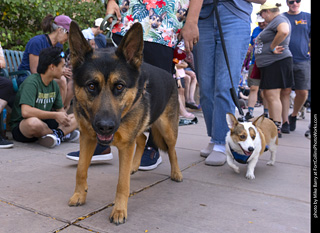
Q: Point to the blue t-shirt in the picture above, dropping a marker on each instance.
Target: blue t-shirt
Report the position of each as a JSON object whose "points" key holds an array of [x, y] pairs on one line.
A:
{"points": [[34, 46], [254, 35], [300, 35]]}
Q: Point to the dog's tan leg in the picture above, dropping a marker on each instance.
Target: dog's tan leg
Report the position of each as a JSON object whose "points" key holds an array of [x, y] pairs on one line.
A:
{"points": [[141, 142], [87, 146], [119, 211], [165, 130]]}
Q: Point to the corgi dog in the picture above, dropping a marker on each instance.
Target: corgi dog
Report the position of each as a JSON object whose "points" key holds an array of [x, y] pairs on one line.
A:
{"points": [[246, 141]]}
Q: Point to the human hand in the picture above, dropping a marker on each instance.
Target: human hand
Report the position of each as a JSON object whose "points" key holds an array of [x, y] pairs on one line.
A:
{"points": [[113, 9], [190, 34], [63, 119], [277, 50], [67, 72]]}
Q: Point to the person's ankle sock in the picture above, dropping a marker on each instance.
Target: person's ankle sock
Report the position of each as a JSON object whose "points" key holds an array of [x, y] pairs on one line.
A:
{"points": [[219, 148]]}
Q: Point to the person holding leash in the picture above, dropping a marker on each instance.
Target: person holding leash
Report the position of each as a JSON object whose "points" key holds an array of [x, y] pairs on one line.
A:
{"points": [[212, 72]]}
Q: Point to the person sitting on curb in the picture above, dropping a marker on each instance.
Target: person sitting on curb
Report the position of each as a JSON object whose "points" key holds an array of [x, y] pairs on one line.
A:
{"points": [[7, 95], [38, 112]]}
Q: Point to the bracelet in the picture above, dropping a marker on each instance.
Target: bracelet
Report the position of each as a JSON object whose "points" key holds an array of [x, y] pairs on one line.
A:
{"points": [[272, 50]]}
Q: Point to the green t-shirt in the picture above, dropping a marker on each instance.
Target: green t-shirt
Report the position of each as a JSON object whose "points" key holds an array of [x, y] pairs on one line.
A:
{"points": [[34, 93]]}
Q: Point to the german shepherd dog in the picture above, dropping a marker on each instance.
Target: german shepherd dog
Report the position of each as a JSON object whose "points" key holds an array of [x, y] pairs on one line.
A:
{"points": [[117, 98]]}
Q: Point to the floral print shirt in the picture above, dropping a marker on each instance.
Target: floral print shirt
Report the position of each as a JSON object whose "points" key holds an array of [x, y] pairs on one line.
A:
{"points": [[161, 19]]}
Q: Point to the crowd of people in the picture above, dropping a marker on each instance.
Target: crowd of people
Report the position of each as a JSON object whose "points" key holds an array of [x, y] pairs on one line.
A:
{"points": [[280, 63]]}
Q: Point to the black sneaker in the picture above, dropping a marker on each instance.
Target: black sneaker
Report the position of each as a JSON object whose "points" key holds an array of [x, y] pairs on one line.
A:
{"points": [[4, 144], [292, 121], [248, 116], [150, 159], [285, 128]]}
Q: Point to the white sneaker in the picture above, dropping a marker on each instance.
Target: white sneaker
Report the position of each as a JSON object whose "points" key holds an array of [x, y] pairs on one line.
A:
{"points": [[206, 151], [49, 140]]}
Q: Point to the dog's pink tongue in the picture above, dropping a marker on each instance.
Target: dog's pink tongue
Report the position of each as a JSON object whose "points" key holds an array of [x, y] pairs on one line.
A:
{"points": [[247, 153], [104, 137]]}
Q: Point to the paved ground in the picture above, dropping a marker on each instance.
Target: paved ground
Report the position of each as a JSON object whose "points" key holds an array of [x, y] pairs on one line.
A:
{"points": [[36, 183]]}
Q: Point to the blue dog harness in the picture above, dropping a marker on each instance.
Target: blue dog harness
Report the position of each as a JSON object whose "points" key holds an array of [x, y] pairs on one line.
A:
{"points": [[243, 159]]}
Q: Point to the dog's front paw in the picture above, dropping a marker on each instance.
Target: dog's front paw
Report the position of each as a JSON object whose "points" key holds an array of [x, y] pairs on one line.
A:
{"points": [[77, 199], [177, 176], [250, 176], [236, 169], [118, 216], [270, 163]]}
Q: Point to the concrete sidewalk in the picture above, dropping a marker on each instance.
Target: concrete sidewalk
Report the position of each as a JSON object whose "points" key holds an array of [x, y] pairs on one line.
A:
{"points": [[36, 184]]}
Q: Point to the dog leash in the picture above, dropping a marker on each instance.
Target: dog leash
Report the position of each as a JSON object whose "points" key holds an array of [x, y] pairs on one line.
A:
{"points": [[106, 26]]}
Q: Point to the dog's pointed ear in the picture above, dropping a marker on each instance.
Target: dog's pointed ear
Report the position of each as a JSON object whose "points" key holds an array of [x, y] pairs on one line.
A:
{"points": [[257, 122], [131, 46], [231, 120], [79, 46]]}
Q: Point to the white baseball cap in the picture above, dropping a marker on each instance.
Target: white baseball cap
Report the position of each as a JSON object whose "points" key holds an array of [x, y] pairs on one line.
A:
{"points": [[98, 22]]}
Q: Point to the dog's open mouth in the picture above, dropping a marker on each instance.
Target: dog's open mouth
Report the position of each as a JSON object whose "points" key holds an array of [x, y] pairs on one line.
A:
{"points": [[246, 153], [104, 139]]}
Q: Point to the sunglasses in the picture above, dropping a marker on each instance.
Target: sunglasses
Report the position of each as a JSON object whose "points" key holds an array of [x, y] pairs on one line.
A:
{"points": [[292, 2], [62, 55]]}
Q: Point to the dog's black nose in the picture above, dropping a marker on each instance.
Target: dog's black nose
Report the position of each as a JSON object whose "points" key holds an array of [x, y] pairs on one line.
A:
{"points": [[105, 126], [251, 149]]}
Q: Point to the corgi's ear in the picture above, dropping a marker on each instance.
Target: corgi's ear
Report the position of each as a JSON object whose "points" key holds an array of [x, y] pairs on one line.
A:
{"points": [[257, 122], [131, 46], [79, 46], [231, 120]]}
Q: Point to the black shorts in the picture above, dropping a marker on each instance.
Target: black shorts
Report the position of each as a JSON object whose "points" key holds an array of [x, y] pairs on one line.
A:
{"points": [[277, 75], [18, 136], [155, 54]]}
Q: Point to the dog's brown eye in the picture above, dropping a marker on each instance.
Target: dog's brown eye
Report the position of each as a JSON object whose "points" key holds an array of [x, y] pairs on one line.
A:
{"points": [[91, 87], [242, 137], [119, 87]]}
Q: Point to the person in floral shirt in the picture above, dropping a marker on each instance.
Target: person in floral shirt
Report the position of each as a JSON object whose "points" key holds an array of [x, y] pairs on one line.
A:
{"points": [[164, 22], [161, 20]]}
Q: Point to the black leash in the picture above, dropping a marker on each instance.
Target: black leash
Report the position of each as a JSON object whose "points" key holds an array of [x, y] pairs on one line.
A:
{"points": [[223, 43]]}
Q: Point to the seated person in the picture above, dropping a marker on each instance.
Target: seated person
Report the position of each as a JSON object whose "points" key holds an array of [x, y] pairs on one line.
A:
{"points": [[58, 30], [94, 33], [38, 112], [180, 74], [6, 97]]}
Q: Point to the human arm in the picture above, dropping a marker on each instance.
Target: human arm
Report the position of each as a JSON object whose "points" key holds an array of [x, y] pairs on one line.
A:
{"points": [[190, 30], [2, 62], [283, 30], [60, 116], [257, 1], [33, 63], [113, 9]]}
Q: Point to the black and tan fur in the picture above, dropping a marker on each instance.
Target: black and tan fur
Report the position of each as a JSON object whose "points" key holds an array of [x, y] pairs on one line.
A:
{"points": [[118, 97]]}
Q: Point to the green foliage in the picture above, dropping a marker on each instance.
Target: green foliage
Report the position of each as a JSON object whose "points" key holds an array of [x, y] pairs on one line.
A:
{"points": [[20, 20]]}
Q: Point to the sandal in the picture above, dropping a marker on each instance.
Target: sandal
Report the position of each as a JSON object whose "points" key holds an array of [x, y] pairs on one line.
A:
{"points": [[192, 105]]}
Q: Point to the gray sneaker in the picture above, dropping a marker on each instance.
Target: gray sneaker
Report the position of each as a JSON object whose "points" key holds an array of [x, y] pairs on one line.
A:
{"points": [[71, 137], [49, 140], [216, 158]]}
